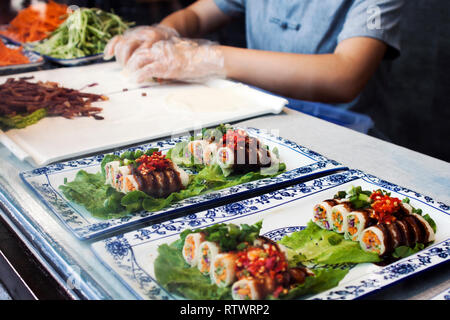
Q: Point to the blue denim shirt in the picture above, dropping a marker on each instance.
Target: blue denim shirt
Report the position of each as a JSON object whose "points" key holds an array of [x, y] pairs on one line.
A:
{"points": [[316, 26]]}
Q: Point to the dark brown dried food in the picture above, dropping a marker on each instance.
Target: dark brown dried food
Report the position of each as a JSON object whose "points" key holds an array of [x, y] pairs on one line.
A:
{"points": [[23, 97]]}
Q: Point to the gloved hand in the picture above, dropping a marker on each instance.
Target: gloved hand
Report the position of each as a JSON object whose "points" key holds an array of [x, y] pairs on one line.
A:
{"points": [[123, 46], [177, 59]]}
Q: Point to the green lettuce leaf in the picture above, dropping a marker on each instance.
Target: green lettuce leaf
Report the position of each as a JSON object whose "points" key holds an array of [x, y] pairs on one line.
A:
{"points": [[322, 246], [175, 275], [323, 279], [90, 191]]}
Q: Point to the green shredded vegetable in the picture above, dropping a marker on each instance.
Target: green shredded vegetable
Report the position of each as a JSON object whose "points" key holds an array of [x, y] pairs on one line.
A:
{"points": [[21, 121], [85, 32]]}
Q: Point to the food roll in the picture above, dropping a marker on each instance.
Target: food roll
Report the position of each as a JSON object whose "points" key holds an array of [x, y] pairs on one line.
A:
{"points": [[418, 228], [376, 239], [130, 183], [160, 184], [191, 248], [111, 170], [208, 251], [225, 157], [119, 179], [429, 232], [357, 221], [247, 289], [396, 235], [407, 207], [196, 149], [223, 268], [184, 177], [322, 213], [209, 153], [339, 215], [407, 232]]}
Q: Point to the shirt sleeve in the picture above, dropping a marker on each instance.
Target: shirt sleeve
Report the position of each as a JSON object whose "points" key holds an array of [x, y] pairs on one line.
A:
{"points": [[232, 8], [378, 19]]}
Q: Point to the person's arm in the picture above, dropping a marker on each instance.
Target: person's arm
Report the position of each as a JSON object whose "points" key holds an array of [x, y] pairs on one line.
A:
{"points": [[197, 19], [336, 78]]}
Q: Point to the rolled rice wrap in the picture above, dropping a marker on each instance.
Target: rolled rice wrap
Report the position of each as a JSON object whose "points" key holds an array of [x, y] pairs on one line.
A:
{"points": [[419, 231], [407, 232], [357, 221], [111, 170], [209, 153], [225, 157], [407, 207], [429, 232], [376, 239], [197, 149], [396, 235], [130, 183], [191, 248], [339, 215], [122, 172], [247, 289], [184, 177], [223, 271], [208, 251], [322, 213]]}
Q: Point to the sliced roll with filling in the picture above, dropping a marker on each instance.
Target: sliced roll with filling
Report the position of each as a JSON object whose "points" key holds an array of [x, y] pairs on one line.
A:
{"points": [[223, 269], [339, 215], [122, 172], [209, 153], [130, 183], [376, 239], [111, 170], [225, 157], [428, 229], [322, 213], [191, 248], [197, 150], [357, 221], [247, 289], [208, 251]]}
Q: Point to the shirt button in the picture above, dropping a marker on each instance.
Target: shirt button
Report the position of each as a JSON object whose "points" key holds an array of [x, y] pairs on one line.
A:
{"points": [[284, 25]]}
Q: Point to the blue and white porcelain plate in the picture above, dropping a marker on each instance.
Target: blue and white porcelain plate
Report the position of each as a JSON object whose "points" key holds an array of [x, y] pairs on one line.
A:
{"points": [[301, 163], [130, 256], [444, 295], [35, 59]]}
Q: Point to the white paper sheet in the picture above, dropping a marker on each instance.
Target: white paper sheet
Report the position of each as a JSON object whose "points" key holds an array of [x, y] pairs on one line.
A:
{"points": [[129, 116]]}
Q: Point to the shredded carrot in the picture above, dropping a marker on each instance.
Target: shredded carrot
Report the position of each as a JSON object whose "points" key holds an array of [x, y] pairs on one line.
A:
{"points": [[11, 56], [36, 22]]}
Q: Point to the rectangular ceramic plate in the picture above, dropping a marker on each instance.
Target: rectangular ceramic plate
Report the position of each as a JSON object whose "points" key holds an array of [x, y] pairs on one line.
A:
{"points": [[131, 256], [301, 163], [35, 60]]}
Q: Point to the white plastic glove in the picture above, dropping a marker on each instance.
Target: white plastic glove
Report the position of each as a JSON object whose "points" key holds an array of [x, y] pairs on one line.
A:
{"points": [[123, 46], [177, 59]]}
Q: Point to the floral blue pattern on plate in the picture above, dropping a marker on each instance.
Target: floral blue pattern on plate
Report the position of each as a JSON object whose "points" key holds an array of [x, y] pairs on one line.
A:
{"points": [[130, 256], [35, 59], [301, 163], [444, 295]]}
